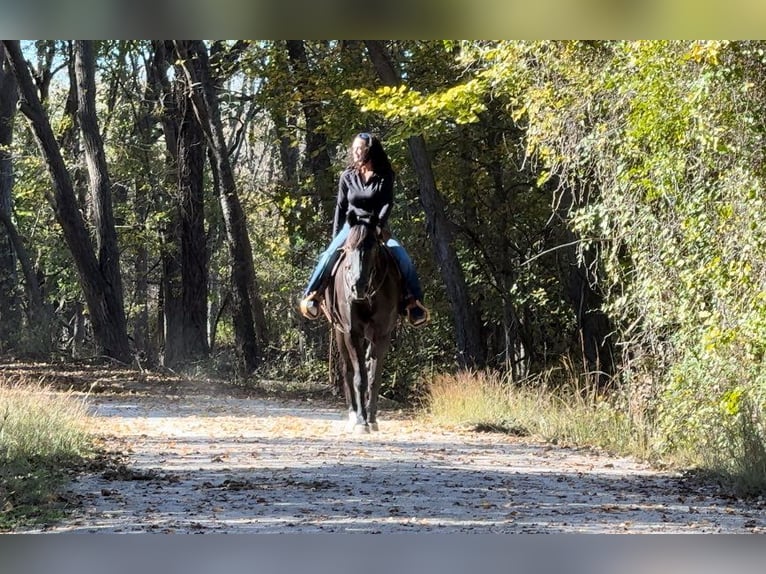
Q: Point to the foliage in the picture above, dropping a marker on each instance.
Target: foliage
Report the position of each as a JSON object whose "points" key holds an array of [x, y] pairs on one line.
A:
{"points": [[659, 143], [459, 104]]}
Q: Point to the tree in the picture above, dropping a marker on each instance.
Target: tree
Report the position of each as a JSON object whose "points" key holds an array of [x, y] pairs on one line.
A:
{"points": [[108, 253], [141, 176], [317, 152], [184, 240], [192, 152], [246, 306], [102, 291], [10, 312]]}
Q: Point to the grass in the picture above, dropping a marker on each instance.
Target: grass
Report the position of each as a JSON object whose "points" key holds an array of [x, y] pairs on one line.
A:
{"points": [[571, 414], [43, 436], [736, 455], [567, 415]]}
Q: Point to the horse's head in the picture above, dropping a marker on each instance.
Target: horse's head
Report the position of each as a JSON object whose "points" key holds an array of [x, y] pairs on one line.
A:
{"points": [[361, 251]]}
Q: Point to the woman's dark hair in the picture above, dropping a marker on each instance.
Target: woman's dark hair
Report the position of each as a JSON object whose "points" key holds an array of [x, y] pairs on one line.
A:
{"points": [[374, 153]]}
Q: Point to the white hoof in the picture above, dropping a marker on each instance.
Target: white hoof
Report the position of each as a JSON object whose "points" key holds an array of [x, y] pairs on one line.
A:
{"points": [[351, 422]]}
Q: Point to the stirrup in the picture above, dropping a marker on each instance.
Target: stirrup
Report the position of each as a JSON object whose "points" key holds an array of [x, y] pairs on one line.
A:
{"points": [[418, 321], [309, 307]]}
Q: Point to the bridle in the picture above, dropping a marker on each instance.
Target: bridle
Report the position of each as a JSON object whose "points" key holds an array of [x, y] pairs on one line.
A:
{"points": [[376, 281], [372, 284]]}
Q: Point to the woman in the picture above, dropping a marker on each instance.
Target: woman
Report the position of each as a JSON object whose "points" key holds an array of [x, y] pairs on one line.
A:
{"points": [[366, 189]]}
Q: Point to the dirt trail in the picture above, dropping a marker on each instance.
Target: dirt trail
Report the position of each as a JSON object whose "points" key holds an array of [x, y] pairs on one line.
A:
{"points": [[228, 464]]}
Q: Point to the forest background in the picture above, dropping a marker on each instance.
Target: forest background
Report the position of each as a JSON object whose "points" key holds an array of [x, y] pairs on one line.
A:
{"points": [[583, 215]]}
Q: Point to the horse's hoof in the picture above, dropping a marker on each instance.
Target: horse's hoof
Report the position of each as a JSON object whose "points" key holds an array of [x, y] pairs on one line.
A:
{"points": [[361, 429], [374, 427]]}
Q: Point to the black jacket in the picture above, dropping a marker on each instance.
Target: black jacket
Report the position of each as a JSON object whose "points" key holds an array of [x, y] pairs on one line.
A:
{"points": [[371, 201]]}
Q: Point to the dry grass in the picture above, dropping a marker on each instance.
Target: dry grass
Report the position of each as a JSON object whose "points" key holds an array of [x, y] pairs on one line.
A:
{"points": [[736, 455], [566, 415], [559, 408], [42, 434], [476, 399], [38, 422]]}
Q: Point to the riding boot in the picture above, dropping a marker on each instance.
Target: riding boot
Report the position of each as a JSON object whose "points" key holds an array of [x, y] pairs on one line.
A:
{"points": [[309, 306], [417, 314]]}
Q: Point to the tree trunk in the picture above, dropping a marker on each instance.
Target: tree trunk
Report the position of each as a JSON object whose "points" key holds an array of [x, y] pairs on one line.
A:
{"points": [[47, 51], [68, 136], [194, 257], [171, 311], [466, 318], [12, 249], [184, 284], [141, 337], [170, 305], [517, 346], [245, 302], [288, 153], [318, 164], [170, 317], [38, 315], [103, 296], [10, 309], [319, 161], [100, 190], [594, 329]]}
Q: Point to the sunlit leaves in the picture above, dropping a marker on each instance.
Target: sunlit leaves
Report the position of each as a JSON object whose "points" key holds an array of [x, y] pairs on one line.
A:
{"points": [[420, 112], [669, 136], [706, 51]]}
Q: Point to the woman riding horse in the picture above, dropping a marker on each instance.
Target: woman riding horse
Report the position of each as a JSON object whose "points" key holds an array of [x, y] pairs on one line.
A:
{"points": [[366, 190]]}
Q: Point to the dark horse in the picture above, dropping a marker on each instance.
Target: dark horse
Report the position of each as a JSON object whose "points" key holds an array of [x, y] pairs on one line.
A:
{"points": [[363, 298]]}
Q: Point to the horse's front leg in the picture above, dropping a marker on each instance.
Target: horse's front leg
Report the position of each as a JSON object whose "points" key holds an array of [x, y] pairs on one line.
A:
{"points": [[347, 369], [376, 355], [358, 375]]}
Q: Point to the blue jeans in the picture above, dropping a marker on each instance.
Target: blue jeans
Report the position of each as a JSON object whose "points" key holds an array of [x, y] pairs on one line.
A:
{"points": [[411, 280]]}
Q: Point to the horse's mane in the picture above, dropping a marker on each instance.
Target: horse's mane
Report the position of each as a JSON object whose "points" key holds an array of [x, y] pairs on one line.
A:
{"points": [[357, 235]]}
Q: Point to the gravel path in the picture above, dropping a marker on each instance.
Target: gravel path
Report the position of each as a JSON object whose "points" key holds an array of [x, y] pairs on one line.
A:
{"points": [[242, 465]]}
